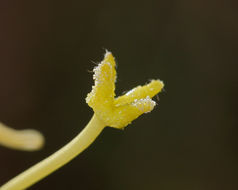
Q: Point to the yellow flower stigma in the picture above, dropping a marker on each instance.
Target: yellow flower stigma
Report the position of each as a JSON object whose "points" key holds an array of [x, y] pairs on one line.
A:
{"points": [[121, 111], [108, 111]]}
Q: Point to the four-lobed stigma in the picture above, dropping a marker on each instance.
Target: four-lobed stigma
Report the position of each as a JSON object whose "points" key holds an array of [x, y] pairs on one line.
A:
{"points": [[121, 111]]}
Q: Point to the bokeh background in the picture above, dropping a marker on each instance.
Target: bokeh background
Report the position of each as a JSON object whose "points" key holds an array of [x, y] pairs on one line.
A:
{"points": [[189, 142]]}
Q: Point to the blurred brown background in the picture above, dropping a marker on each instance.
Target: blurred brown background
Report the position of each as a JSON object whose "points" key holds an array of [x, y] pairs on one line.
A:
{"points": [[189, 142]]}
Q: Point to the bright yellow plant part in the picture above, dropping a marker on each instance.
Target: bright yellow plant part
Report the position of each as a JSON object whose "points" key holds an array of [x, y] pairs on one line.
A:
{"points": [[108, 111], [119, 112]]}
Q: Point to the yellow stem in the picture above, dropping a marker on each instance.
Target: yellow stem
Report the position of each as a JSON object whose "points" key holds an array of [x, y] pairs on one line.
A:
{"points": [[27, 139], [58, 159]]}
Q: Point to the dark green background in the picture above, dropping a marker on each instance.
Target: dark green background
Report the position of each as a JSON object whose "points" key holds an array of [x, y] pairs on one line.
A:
{"points": [[189, 142]]}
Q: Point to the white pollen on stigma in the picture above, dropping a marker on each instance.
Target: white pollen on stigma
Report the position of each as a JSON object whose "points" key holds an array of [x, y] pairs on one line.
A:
{"points": [[144, 104]]}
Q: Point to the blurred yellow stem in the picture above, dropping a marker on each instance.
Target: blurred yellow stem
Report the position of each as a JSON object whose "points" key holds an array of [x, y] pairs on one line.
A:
{"points": [[58, 159]]}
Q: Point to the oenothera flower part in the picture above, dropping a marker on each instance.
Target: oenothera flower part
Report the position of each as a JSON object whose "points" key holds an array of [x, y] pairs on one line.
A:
{"points": [[27, 139], [119, 112], [108, 111]]}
